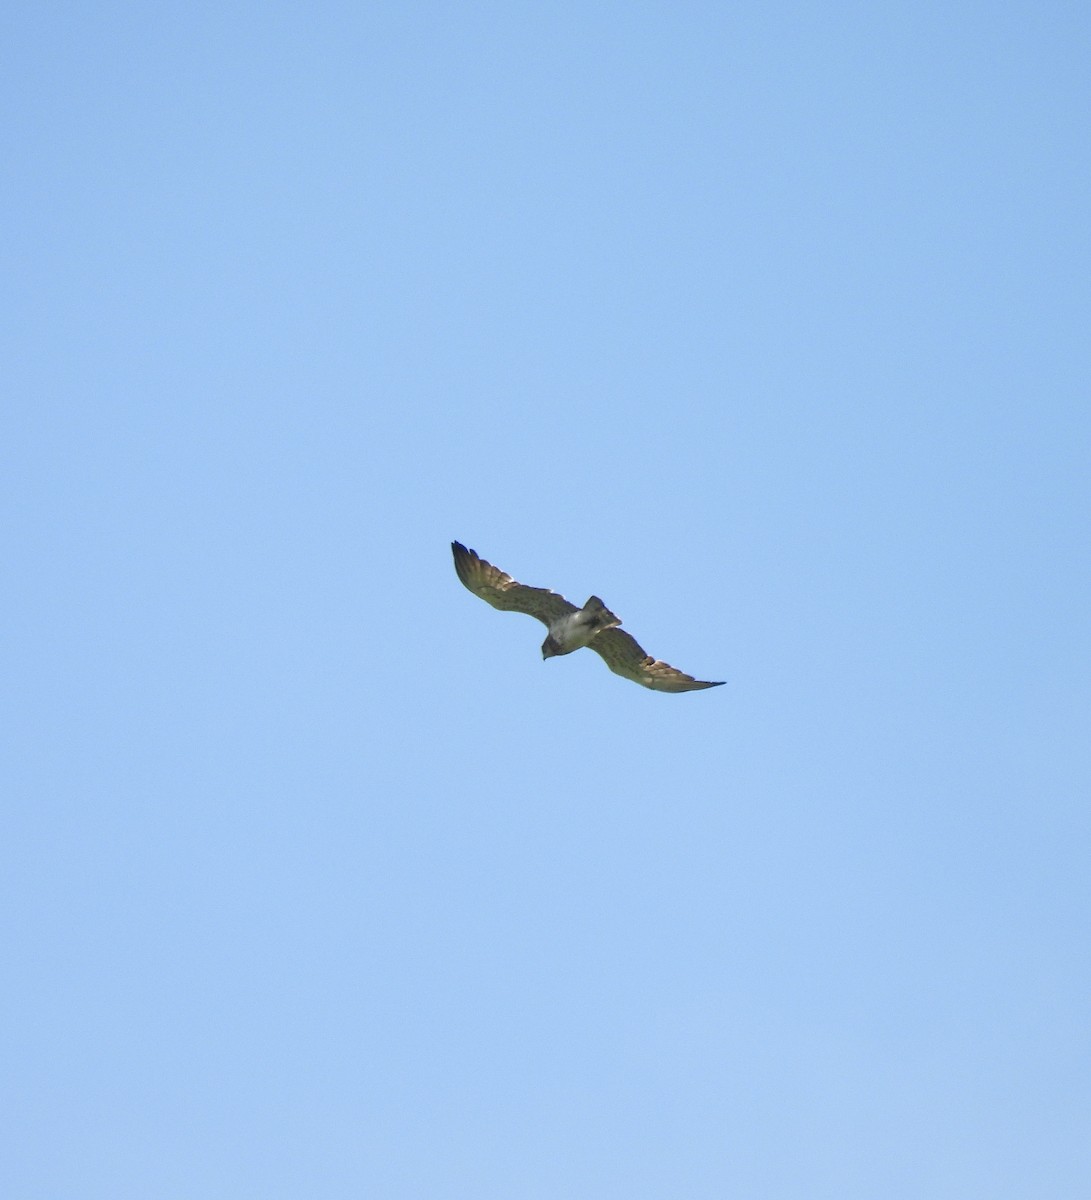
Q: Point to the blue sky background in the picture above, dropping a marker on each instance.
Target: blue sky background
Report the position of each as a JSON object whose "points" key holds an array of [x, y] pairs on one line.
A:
{"points": [[766, 322]]}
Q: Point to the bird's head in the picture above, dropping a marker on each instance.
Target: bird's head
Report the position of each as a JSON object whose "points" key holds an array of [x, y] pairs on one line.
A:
{"points": [[550, 649]]}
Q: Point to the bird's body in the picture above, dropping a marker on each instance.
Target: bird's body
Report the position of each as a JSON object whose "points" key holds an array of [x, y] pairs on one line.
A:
{"points": [[571, 628], [577, 629]]}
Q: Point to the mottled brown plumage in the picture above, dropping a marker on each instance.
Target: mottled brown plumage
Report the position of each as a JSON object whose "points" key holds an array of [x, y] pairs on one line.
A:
{"points": [[571, 628]]}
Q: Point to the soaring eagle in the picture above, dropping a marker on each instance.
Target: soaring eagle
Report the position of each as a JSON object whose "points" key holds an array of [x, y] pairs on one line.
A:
{"points": [[570, 627]]}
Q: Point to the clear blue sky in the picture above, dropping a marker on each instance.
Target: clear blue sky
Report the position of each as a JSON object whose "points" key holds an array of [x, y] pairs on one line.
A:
{"points": [[769, 323]]}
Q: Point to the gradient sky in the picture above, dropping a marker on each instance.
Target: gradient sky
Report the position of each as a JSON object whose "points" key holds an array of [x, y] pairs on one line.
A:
{"points": [[768, 323]]}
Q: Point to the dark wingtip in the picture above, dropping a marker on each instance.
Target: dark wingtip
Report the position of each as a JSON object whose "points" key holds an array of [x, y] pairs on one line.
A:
{"points": [[464, 561]]}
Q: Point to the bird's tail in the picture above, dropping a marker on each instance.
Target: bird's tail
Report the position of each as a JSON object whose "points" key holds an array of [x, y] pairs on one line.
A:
{"points": [[603, 617]]}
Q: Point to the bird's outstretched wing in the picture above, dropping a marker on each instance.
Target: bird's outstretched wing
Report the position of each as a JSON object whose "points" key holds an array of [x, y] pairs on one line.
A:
{"points": [[501, 591], [624, 655]]}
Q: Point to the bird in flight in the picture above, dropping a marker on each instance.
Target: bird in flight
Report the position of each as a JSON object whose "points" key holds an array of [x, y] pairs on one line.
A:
{"points": [[571, 628]]}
